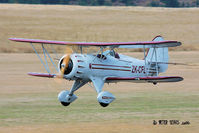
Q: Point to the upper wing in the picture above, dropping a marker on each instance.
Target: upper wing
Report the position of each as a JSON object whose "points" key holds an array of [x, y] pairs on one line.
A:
{"points": [[150, 79], [146, 44]]}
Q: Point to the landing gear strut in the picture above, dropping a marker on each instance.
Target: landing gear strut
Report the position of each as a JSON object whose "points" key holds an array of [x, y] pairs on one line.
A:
{"points": [[66, 97]]}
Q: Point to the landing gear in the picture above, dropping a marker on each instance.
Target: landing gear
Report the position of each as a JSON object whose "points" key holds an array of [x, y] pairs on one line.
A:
{"points": [[66, 97], [104, 104], [105, 98]]}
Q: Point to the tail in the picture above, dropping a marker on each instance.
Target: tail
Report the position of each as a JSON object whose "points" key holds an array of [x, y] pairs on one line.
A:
{"points": [[162, 57]]}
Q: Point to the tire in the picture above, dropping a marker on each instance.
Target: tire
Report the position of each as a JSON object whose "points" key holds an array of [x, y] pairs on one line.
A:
{"points": [[65, 103], [104, 104]]}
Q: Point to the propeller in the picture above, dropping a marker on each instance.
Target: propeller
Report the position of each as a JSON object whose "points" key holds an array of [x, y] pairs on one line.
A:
{"points": [[65, 62]]}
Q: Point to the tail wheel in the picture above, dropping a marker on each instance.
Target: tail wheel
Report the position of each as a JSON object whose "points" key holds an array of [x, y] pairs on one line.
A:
{"points": [[104, 104]]}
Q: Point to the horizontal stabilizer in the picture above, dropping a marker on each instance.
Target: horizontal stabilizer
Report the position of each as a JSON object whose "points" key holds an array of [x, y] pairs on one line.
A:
{"points": [[46, 75], [150, 79]]}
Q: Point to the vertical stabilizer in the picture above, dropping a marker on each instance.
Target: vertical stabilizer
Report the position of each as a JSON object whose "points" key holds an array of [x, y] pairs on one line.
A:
{"points": [[159, 55]]}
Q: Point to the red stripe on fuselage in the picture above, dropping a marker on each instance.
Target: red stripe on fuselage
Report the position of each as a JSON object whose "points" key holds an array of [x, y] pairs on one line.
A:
{"points": [[110, 65], [110, 69]]}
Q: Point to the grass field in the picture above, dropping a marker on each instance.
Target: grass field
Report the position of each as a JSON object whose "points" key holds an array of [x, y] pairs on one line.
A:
{"points": [[103, 24], [29, 104]]}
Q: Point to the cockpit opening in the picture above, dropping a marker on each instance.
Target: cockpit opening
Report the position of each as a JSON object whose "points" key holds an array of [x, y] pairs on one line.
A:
{"points": [[114, 54]]}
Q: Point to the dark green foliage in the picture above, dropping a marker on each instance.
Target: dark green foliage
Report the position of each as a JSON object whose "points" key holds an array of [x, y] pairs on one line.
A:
{"points": [[153, 3], [129, 2], [197, 3], [3, 1], [171, 3]]}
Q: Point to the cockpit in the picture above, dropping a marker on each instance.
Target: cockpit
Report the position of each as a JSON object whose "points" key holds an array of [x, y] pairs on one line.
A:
{"points": [[108, 53], [100, 54], [114, 54]]}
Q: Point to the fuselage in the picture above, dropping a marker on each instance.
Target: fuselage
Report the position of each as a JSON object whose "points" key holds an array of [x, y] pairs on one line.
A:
{"points": [[86, 66]]}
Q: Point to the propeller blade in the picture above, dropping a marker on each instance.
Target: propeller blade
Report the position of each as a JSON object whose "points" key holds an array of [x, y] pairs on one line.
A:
{"points": [[64, 65]]}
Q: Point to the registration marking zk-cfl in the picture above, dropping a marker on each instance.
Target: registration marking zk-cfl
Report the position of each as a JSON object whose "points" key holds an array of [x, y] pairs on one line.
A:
{"points": [[138, 69]]}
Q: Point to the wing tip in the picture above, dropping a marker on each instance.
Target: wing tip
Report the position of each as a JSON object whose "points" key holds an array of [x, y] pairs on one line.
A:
{"points": [[159, 36], [179, 43], [12, 39], [15, 39], [180, 78]]}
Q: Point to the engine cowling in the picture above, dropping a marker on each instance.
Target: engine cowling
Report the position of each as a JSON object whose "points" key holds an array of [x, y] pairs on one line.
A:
{"points": [[77, 66]]}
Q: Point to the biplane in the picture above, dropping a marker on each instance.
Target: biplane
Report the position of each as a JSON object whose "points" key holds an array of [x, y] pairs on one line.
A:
{"points": [[104, 66]]}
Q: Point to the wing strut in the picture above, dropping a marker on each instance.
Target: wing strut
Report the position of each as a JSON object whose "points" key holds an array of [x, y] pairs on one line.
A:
{"points": [[50, 58], [45, 58], [145, 59], [39, 57], [45, 62], [54, 51], [156, 64]]}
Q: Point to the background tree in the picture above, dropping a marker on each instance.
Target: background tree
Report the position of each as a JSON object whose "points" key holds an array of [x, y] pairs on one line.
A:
{"points": [[171, 3], [154, 3]]}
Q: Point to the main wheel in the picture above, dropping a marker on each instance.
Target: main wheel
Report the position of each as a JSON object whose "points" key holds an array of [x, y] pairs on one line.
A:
{"points": [[65, 103], [103, 104]]}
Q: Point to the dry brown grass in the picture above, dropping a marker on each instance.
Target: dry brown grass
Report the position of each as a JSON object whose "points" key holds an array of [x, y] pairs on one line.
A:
{"points": [[76, 23]]}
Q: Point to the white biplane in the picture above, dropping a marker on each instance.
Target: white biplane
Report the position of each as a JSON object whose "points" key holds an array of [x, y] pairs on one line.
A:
{"points": [[106, 66]]}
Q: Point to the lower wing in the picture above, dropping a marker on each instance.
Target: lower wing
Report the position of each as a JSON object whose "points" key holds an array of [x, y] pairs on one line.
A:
{"points": [[149, 79], [46, 75]]}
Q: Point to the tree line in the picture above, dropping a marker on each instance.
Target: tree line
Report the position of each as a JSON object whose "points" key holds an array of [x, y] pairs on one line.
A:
{"points": [[153, 3]]}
